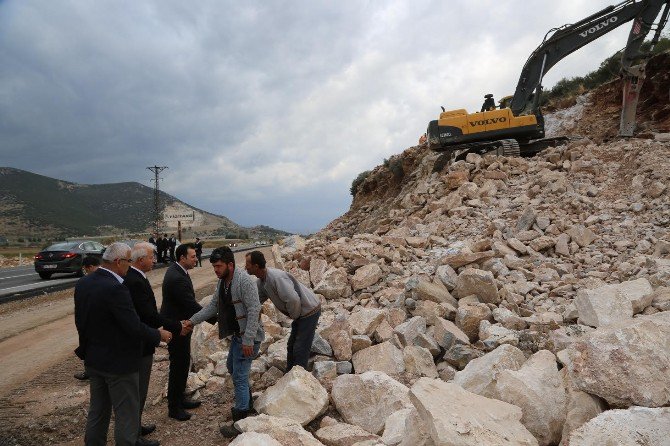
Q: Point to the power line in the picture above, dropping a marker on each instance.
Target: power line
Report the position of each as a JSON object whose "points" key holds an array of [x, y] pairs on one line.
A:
{"points": [[157, 209]]}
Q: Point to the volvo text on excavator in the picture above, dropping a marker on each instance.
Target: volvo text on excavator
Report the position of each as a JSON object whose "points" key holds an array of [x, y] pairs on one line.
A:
{"points": [[517, 126]]}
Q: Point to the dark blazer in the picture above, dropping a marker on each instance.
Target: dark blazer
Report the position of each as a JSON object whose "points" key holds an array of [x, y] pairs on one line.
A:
{"points": [[145, 305], [178, 295], [110, 332]]}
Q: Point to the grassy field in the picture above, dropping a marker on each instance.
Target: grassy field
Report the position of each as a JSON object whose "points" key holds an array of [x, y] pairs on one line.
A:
{"points": [[14, 251]]}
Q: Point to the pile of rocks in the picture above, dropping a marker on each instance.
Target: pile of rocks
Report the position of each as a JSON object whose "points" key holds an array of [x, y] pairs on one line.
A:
{"points": [[495, 301]]}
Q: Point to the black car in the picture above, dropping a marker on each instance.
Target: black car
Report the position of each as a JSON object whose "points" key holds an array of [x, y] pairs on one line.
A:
{"points": [[66, 257]]}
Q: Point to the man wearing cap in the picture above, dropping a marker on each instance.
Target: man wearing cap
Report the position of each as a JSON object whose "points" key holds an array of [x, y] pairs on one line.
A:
{"points": [[294, 300]]}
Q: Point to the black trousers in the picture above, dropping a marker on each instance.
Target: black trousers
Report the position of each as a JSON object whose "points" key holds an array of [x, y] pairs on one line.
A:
{"points": [[144, 376], [180, 361], [300, 340], [119, 393]]}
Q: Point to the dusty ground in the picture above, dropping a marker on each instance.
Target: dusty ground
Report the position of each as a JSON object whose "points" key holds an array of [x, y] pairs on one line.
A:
{"points": [[41, 403]]}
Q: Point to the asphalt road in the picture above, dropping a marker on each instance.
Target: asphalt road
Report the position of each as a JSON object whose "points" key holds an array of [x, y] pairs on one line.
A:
{"points": [[20, 282]]}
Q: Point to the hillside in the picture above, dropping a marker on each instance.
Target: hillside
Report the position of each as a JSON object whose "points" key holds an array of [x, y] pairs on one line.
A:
{"points": [[494, 300], [35, 205]]}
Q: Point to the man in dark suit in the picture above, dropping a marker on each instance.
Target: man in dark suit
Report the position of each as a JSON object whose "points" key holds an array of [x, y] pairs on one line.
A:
{"points": [[172, 244], [159, 249], [110, 343], [198, 250], [179, 304], [144, 301]]}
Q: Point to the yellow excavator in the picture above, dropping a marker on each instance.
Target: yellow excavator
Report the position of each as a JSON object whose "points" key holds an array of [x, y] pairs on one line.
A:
{"points": [[517, 125]]}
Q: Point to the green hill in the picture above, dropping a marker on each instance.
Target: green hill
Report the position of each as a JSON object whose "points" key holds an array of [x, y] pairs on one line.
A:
{"points": [[33, 205]]}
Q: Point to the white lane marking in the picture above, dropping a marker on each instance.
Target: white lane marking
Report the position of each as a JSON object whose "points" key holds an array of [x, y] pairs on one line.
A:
{"points": [[37, 287], [13, 277]]}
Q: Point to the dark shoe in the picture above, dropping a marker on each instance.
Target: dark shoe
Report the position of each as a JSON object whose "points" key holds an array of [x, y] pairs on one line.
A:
{"points": [[81, 376], [189, 404], [179, 414], [146, 442], [229, 431], [149, 428]]}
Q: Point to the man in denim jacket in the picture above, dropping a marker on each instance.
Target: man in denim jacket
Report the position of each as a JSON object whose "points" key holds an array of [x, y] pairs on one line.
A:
{"points": [[236, 304]]}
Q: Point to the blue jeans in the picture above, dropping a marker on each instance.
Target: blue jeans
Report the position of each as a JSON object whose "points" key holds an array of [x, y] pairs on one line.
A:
{"points": [[300, 340], [239, 367]]}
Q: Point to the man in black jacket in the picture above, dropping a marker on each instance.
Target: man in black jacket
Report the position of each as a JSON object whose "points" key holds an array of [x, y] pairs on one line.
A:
{"points": [[172, 244], [110, 342], [179, 304], [144, 301]]}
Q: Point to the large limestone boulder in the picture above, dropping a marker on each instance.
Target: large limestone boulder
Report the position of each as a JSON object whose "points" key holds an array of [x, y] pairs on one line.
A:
{"points": [[469, 316], [480, 376], [366, 400], [254, 439], [581, 235], [625, 364], [446, 334], [416, 431], [384, 357], [613, 303], [435, 292], [409, 330], [317, 268], [581, 407], [365, 276], [298, 395], [537, 388], [478, 282], [419, 362], [284, 430], [338, 335], [454, 416], [394, 426], [342, 434], [365, 321], [204, 343], [334, 284], [633, 427]]}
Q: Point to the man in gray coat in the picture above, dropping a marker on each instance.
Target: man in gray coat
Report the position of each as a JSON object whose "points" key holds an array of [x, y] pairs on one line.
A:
{"points": [[238, 309], [294, 300]]}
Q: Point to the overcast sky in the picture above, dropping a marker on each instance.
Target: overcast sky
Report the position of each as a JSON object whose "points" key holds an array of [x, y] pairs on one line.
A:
{"points": [[263, 111]]}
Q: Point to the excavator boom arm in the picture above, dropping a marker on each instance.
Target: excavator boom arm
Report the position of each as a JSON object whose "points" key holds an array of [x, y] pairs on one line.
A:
{"points": [[570, 38]]}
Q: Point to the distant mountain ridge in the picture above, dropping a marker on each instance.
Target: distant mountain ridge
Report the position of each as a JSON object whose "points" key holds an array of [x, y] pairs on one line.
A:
{"points": [[35, 204]]}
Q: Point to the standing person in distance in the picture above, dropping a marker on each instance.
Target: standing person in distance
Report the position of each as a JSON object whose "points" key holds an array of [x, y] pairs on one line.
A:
{"points": [[237, 307], [294, 300], [179, 304], [144, 301], [166, 247], [159, 249], [198, 250], [90, 264], [172, 244], [110, 342]]}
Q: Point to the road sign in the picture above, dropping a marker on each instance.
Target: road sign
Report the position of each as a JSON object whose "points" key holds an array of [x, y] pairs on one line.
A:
{"points": [[179, 216]]}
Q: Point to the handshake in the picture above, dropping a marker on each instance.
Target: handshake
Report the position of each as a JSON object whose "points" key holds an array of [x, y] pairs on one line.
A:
{"points": [[186, 328]]}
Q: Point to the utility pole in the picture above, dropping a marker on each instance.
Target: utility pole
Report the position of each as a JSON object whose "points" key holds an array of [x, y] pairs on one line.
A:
{"points": [[157, 209]]}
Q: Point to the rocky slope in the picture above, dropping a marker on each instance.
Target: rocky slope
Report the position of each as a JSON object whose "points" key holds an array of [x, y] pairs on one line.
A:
{"points": [[516, 301]]}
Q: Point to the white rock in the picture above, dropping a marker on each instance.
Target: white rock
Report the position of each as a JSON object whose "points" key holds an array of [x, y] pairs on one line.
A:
{"points": [[394, 427], [419, 362], [633, 427], [478, 282], [366, 276], [365, 321], [454, 416], [284, 430], [366, 400], [342, 434], [334, 284], [613, 303], [297, 395], [481, 374], [384, 357], [538, 389], [626, 364], [254, 439]]}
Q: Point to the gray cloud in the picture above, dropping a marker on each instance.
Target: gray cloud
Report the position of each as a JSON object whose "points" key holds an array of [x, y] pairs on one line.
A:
{"points": [[265, 111]]}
